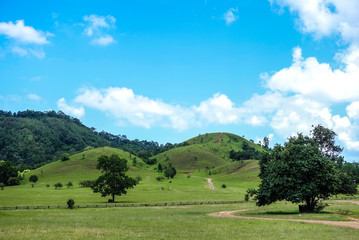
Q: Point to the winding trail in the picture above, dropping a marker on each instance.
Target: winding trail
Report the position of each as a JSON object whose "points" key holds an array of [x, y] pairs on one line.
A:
{"points": [[210, 184], [230, 214]]}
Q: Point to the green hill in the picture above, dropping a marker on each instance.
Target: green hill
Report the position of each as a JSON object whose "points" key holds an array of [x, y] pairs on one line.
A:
{"points": [[82, 166], [31, 139], [205, 151]]}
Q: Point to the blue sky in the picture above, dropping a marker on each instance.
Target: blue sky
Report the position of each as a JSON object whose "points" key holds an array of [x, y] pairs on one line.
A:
{"points": [[170, 70]]}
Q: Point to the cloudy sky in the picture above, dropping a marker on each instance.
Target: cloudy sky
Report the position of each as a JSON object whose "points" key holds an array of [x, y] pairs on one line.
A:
{"points": [[170, 70]]}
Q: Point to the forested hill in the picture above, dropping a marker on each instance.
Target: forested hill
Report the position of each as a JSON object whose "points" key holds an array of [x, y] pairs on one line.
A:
{"points": [[30, 139]]}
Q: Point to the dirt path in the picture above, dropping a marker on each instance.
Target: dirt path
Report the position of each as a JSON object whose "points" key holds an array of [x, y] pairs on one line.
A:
{"points": [[230, 214], [219, 138], [210, 184]]}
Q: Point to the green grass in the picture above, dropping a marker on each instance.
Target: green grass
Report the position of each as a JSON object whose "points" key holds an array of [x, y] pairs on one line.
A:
{"points": [[205, 151], [188, 222]]}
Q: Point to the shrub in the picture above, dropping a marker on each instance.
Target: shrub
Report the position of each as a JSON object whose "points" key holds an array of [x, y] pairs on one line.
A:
{"points": [[47, 185], [246, 197], [87, 183], [34, 179], [58, 185], [70, 203], [160, 178], [64, 157], [69, 184], [189, 176], [13, 181], [224, 186], [2, 186], [138, 179]]}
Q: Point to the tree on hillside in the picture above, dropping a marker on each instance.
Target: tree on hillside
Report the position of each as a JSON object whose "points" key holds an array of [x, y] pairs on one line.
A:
{"points": [[297, 172], [113, 180], [7, 172], [170, 171], [34, 179], [65, 157], [159, 167]]}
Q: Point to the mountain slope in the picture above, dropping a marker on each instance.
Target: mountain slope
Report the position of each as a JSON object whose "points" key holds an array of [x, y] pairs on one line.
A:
{"points": [[30, 139], [205, 151]]}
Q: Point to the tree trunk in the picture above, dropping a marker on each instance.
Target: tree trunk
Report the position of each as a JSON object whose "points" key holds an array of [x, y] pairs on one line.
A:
{"points": [[309, 207], [113, 198]]}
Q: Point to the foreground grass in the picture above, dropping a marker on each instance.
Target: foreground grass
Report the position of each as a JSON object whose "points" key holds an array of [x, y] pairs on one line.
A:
{"points": [[189, 222]]}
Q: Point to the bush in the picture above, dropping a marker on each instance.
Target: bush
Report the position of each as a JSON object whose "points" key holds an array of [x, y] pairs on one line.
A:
{"points": [[13, 181], [2, 186], [87, 183], [189, 176], [70, 203], [69, 184], [138, 179], [224, 186], [47, 185], [65, 157], [246, 197], [160, 178], [58, 185]]}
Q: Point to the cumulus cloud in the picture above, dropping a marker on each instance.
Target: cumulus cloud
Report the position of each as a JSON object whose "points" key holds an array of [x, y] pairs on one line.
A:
{"points": [[22, 33], [326, 17], [231, 16], [77, 112], [24, 39], [97, 28]]}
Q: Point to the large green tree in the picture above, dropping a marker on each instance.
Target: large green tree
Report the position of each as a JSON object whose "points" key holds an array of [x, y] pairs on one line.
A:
{"points": [[297, 172], [7, 171], [113, 180]]}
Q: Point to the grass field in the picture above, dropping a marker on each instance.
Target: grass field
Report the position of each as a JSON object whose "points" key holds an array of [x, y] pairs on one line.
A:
{"points": [[170, 222], [187, 222]]}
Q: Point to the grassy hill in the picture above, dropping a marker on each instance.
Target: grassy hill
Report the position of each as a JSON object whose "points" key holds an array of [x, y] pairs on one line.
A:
{"points": [[237, 176], [204, 152], [82, 166], [31, 139]]}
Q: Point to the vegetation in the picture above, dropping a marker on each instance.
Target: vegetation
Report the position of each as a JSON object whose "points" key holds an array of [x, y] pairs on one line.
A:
{"points": [[170, 171], [8, 173], [302, 171], [30, 139], [65, 157], [34, 179], [58, 185], [70, 203], [113, 180]]}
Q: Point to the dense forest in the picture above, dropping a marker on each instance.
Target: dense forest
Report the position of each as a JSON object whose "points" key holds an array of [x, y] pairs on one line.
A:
{"points": [[30, 139]]}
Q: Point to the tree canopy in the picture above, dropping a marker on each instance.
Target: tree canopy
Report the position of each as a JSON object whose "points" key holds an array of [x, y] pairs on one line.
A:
{"points": [[113, 180], [302, 171]]}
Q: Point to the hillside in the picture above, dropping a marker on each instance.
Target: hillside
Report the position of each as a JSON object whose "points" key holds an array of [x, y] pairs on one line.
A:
{"points": [[82, 166], [237, 176], [205, 151], [31, 139]]}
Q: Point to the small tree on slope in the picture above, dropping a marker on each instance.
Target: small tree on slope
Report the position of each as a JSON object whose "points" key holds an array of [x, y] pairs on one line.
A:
{"points": [[113, 180]]}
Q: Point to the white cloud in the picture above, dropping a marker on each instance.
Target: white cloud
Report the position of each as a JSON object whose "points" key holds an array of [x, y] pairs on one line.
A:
{"points": [[218, 109], [24, 40], [97, 28], [103, 41], [77, 112], [317, 80], [123, 104], [326, 17], [23, 34], [34, 97], [230, 16], [353, 110]]}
